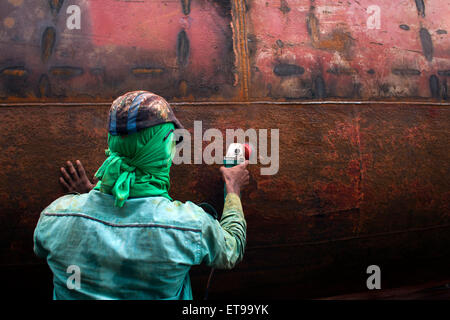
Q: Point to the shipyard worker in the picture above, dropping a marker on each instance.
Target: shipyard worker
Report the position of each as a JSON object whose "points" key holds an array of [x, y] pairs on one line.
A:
{"points": [[125, 238]]}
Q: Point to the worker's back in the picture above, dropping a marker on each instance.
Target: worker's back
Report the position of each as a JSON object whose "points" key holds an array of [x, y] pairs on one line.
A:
{"points": [[143, 250]]}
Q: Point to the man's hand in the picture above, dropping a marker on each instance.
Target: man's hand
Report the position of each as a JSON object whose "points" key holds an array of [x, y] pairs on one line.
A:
{"points": [[75, 180], [236, 177]]}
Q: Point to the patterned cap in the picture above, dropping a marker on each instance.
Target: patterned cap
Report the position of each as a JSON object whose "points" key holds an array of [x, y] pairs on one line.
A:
{"points": [[139, 110]]}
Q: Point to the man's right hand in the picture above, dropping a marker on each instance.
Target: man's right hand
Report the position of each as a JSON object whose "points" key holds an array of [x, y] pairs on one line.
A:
{"points": [[75, 180], [236, 177]]}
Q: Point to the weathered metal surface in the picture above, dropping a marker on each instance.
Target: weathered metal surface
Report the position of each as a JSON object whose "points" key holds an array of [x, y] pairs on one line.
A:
{"points": [[120, 45], [359, 183], [342, 55], [226, 50]]}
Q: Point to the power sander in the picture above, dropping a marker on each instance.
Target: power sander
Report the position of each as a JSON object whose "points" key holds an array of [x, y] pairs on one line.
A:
{"points": [[236, 154]]}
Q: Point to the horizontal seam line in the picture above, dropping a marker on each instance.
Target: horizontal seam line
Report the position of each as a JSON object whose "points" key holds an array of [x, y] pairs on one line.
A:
{"points": [[142, 225], [255, 102], [362, 237]]}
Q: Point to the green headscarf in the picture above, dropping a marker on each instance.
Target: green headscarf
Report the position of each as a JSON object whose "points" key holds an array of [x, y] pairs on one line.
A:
{"points": [[138, 165]]}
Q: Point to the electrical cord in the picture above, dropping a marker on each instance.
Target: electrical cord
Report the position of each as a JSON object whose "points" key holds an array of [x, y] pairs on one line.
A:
{"points": [[213, 212]]}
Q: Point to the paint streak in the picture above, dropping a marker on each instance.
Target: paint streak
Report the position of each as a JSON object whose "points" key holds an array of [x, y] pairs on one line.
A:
{"points": [[312, 26], [66, 72], [435, 87], [44, 89], [285, 69], [319, 88], [420, 8], [427, 44], [55, 5], [18, 72], [445, 90], [16, 3], [183, 49], [284, 7], [186, 5], [147, 71], [47, 43], [97, 71], [404, 27], [440, 31], [240, 46], [183, 88], [338, 40], [9, 22], [341, 71], [406, 72]]}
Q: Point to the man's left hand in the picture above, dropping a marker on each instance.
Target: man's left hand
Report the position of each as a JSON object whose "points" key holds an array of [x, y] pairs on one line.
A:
{"points": [[75, 180]]}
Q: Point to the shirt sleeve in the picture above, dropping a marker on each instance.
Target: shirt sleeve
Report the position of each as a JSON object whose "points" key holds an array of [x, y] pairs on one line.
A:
{"points": [[38, 248], [223, 243]]}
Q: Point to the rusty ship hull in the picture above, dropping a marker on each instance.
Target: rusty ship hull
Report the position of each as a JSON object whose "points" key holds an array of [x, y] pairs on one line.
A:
{"points": [[357, 89]]}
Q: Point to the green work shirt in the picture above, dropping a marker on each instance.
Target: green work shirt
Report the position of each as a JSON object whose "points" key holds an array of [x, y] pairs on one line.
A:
{"points": [[143, 250]]}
